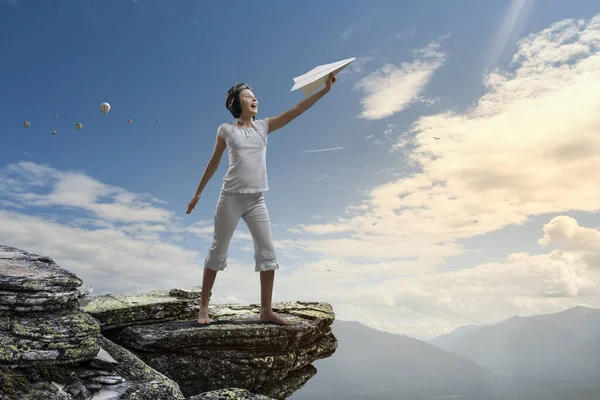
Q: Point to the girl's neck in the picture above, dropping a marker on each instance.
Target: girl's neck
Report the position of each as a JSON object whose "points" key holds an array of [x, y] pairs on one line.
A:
{"points": [[245, 122]]}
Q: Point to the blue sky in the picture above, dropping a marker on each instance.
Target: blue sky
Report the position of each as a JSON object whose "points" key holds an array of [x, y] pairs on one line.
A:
{"points": [[108, 202]]}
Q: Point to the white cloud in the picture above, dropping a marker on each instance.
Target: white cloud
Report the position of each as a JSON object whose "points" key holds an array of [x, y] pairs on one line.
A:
{"points": [[387, 138], [106, 258], [389, 128], [393, 88], [429, 100], [346, 34], [23, 182], [425, 305], [112, 260], [567, 233], [319, 176], [529, 147]]}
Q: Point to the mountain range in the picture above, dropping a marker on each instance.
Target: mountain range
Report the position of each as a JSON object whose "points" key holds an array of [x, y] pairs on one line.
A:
{"points": [[559, 345], [553, 356]]}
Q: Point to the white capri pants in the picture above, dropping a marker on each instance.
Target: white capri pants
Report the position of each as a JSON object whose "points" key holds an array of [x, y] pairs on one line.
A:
{"points": [[252, 208]]}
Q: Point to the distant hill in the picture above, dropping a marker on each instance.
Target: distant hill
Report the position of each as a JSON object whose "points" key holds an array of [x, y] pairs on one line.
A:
{"points": [[375, 365], [582, 322], [557, 345], [448, 339]]}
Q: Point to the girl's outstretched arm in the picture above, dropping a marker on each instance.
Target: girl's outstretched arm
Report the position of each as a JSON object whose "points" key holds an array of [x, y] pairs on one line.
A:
{"points": [[286, 117]]}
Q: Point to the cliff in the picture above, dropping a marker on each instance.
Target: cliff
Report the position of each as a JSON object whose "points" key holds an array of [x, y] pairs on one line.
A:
{"points": [[59, 342]]}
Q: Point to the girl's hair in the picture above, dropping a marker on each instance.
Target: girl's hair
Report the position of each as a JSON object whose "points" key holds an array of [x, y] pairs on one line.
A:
{"points": [[232, 100]]}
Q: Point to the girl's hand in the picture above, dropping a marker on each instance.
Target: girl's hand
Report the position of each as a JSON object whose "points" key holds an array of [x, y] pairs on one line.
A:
{"points": [[329, 82], [192, 204]]}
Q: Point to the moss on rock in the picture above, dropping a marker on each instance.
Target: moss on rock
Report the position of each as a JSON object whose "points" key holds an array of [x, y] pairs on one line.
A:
{"points": [[12, 382]]}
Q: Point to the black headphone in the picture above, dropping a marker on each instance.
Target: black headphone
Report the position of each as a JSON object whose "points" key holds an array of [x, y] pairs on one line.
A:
{"points": [[232, 100]]}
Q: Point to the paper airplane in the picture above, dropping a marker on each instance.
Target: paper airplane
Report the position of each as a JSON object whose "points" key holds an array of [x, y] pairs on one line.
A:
{"points": [[318, 76]]}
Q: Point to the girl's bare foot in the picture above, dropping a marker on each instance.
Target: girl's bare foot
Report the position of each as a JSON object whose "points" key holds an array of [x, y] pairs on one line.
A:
{"points": [[203, 316], [270, 316]]}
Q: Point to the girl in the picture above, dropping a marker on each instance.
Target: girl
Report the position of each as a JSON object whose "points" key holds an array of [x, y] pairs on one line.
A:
{"points": [[242, 191]]}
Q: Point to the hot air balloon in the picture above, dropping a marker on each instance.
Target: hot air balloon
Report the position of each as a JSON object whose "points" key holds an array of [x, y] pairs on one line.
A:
{"points": [[128, 121], [53, 133], [26, 124], [105, 107], [78, 125]]}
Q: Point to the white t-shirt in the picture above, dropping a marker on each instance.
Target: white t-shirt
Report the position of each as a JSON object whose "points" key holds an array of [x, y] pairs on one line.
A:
{"points": [[247, 149]]}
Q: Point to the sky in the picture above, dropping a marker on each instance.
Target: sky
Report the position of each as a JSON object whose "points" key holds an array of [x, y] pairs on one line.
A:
{"points": [[395, 229]]}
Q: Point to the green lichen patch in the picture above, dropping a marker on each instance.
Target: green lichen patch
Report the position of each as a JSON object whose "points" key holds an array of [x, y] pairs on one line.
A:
{"points": [[11, 348], [56, 326], [138, 308]]}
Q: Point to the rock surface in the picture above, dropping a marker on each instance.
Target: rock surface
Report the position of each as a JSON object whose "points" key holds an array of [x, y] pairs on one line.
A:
{"points": [[230, 394], [50, 349], [31, 282], [122, 310], [39, 318], [236, 350], [114, 374], [57, 343]]}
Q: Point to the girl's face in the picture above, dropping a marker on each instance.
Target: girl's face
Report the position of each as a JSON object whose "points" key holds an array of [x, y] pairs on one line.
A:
{"points": [[248, 103]]}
